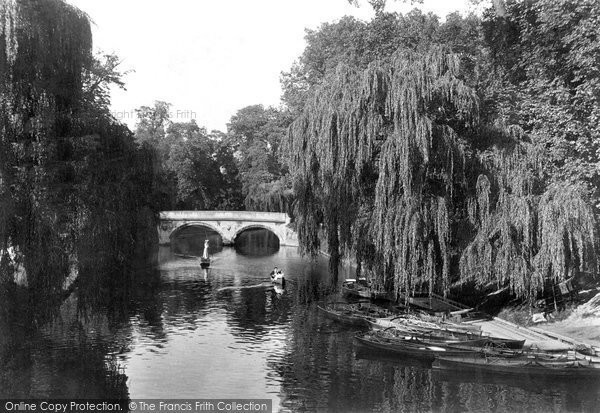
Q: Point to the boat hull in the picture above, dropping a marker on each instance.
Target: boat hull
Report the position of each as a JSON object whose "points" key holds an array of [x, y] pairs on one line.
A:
{"points": [[344, 318], [426, 351], [519, 366]]}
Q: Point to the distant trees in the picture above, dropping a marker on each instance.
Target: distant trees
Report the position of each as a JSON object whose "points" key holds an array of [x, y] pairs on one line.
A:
{"points": [[255, 134], [194, 169], [241, 169]]}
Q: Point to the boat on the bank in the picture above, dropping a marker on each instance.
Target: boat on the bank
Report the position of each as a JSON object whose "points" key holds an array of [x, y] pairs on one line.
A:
{"points": [[435, 304], [356, 314], [470, 340], [521, 364], [411, 346], [356, 288], [418, 323], [205, 258], [361, 289]]}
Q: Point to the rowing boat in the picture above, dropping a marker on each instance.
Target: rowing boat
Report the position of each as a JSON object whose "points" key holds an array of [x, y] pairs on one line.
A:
{"points": [[356, 314], [524, 364], [411, 346], [411, 322], [356, 289]]}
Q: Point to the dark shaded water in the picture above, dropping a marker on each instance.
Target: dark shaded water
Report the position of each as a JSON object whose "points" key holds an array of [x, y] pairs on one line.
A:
{"points": [[189, 333]]}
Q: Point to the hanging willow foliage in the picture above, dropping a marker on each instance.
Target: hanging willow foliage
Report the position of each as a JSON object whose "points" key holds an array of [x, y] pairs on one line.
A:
{"points": [[379, 166], [383, 140], [527, 235], [44, 47]]}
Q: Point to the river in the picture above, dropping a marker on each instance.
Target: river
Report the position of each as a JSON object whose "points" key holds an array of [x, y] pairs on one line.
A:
{"points": [[227, 333]]}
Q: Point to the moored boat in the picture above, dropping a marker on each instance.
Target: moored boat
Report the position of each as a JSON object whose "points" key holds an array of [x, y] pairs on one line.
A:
{"points": [[411, 346], [413, 322], [356, 288], [356, 314], [521, 364]]}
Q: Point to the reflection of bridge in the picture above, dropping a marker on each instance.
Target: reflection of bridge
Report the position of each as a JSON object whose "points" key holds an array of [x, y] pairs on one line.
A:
{"points": [[228, 224]]}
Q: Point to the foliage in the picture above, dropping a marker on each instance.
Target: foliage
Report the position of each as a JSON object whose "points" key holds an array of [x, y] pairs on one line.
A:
{"points": [[255, 134], [528, 233], [398, 115], [357, 44], [450, 150], [194, 169], [547, 57], [74, 183]]}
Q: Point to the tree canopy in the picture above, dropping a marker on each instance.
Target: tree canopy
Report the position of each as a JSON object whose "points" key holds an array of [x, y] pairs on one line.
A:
{"points": [[441, 156], [194, 169], [256, 134]]}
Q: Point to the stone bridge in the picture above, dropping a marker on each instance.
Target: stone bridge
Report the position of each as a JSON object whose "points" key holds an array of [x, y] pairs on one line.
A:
{"points": [[228, 224]]}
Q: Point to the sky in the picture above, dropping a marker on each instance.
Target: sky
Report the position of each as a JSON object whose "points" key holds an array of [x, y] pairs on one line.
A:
{"points": [[210, 58]]}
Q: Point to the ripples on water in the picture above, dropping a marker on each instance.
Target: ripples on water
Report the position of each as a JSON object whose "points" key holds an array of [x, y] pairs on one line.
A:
{"points": [[226, 332]]}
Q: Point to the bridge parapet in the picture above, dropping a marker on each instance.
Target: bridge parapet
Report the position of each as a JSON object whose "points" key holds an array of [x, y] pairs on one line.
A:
{"points": [[224, 216]]}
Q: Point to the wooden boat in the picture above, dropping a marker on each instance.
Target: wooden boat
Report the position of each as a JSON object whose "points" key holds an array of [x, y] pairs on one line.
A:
{"points": [[450, 332], [456, 340], [356, 288], [356, 314], [204, 262], [522, 365], [435, 303], [375, 340], [205, 259], [361, 289], [469, 341], [417, 323]]}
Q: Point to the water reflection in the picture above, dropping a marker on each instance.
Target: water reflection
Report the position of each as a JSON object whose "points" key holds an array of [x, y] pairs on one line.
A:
{"points": [[256, 242], [227, 332], [71, 357]]}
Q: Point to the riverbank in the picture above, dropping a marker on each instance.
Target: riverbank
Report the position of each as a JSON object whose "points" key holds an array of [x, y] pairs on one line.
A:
{"points": [[580, 323], [583, 323]]}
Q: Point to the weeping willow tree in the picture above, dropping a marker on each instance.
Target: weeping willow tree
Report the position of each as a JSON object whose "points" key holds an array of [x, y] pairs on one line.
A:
{"points": [[383, 169], [528, 234], [376, 160], [44, 46], [73, 177]]}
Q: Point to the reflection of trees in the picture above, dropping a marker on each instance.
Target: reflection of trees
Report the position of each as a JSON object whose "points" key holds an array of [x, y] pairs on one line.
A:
{"points": [[313, 286], [251, 311], [468, 391], [182, 295], [71, 356], [319, 370]]}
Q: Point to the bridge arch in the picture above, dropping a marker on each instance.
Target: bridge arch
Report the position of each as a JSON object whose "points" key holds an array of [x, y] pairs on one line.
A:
{"points": [[175, 231], [259, 226]]}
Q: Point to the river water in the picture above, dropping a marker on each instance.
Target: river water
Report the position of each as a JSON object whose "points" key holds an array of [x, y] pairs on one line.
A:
{"points": [[227, 333]]}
